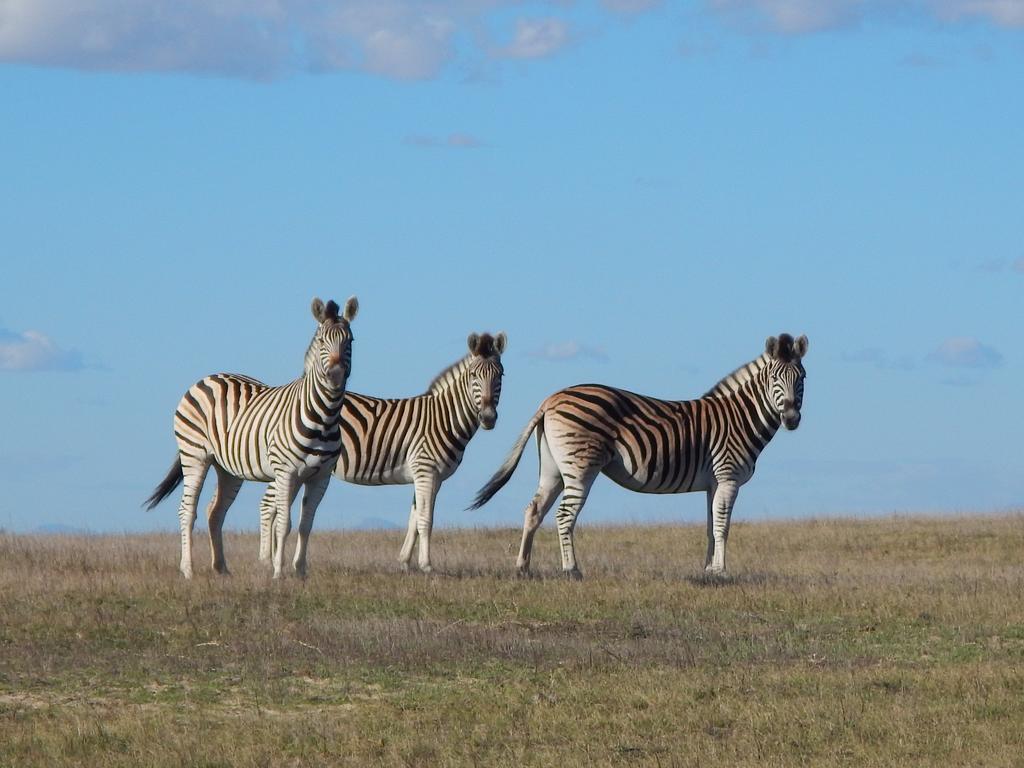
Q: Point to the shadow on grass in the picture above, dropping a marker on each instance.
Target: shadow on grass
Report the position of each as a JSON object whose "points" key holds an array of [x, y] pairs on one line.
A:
{"points": [[755, 578]]}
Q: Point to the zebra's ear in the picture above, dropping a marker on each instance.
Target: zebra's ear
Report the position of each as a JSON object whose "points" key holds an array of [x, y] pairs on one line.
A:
{"points": [[318, 310], [800, 346], [351, 308], [473, 342], [771, 346], [500, 341]]}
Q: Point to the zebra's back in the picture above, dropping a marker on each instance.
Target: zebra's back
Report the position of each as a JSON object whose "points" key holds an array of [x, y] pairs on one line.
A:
{"points": [[377, 435], [384, 438], [231, 416], [650, 445]]}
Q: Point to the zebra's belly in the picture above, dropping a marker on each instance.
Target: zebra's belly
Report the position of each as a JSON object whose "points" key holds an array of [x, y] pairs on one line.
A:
{"points": [[641, 481], [248, 467], [400, 475]]}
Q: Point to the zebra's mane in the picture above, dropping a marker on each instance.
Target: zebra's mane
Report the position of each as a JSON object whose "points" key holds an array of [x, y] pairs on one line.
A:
{"points": [[735, 380], [444, 379]]}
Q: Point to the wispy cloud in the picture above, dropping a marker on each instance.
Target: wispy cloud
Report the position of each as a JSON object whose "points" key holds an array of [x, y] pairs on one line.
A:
{"points": [[536, 38], [455, 140], [263, 39], [35, 351], [966, 352], [630, 6], [922, 61], [881, 359], [401, 39], [797, 17], [1000, 265], [569, 350]]}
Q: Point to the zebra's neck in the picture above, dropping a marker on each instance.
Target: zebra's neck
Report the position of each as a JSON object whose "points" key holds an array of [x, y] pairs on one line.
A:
{"points": [[450, 389], [741, 376], [321, 396], [749, 387]]}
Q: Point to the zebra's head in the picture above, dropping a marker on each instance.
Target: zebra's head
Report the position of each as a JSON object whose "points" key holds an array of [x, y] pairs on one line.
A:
{"points": [[330, 352], [786, 376], [485, 374]]}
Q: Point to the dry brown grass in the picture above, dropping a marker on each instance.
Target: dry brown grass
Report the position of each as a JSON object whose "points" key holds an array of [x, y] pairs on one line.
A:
{"points": [[882, 642]]}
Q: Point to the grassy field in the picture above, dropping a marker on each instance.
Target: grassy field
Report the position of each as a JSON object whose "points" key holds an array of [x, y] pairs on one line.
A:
{"points": [[881, 642]]}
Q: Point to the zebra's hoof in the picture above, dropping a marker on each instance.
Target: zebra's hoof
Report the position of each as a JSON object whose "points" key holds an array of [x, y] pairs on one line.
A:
{"points": [[523, 572], [573, 574], [403, 566], [426, 568]]}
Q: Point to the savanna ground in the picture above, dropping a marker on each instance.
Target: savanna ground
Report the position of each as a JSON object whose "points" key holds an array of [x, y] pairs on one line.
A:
{"points": [[896, 641]]}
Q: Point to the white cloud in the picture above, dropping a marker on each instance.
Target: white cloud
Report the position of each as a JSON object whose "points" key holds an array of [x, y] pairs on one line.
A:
{"points": [[966, 352], [569, 350], [792, 16], [536, 38], [796, 17], [1005, 13], [630, 6], [402, 39], [880, 359], [35, 351]]}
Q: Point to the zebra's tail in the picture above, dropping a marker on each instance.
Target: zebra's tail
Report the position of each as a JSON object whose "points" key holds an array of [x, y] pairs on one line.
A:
{"points": [[508, 466], [173, 479]]}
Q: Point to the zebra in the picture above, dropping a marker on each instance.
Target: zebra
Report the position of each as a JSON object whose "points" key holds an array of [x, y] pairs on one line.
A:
{"points": [[418, 440], [657, 446], [288, 435]]}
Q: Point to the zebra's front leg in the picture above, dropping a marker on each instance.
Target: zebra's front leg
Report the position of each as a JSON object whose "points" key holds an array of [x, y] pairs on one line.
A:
{"points": [[194, 471], [573, 499], [286, 487], [711, 529], [267, 519], [316, 486], [427, 485], [719, 517], [227, 490], [405, 554]]}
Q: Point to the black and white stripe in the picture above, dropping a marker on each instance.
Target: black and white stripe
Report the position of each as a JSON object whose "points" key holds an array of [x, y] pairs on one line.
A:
{"points": [[288, 435], [658, 446], [418, 440]]}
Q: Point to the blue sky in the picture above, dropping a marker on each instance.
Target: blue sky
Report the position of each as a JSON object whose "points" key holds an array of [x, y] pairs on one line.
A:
{"points": [[637, 192]]}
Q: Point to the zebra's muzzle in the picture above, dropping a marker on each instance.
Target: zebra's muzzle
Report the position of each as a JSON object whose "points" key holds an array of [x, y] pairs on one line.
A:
{"points": [[335, 370], [488, 418], [791, 419]]}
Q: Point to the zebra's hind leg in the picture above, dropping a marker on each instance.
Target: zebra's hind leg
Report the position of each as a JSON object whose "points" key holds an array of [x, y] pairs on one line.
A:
{"points": [[315, 489], [227, 490], [573, 499], [193, 469], [405, 554], [549, 485]]}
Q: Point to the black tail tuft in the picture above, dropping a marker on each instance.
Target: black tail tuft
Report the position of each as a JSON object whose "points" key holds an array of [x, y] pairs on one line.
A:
{"points": [[172, 481]]}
